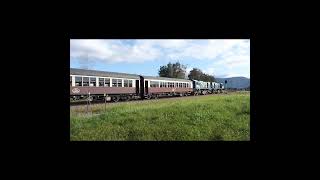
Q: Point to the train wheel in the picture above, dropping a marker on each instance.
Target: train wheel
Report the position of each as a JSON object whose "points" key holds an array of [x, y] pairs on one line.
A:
{"points": [[128, 98], [90, 98], [148, 96], [74, 98], [115, 98]]}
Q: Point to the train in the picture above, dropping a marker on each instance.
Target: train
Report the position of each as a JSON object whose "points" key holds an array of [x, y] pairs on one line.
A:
{"points": [[114, 86]]}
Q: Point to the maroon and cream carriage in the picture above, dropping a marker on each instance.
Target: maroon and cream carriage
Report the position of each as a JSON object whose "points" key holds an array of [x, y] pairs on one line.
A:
{"points": [[100, 84], [162, 86]]}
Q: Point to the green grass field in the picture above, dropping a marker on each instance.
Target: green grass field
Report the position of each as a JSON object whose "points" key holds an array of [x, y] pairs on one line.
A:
{"points": [[223, 117]]}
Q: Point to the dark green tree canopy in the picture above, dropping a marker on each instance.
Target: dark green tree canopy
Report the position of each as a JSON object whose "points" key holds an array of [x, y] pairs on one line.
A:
{"points": [[171, 70], [197, 74]]}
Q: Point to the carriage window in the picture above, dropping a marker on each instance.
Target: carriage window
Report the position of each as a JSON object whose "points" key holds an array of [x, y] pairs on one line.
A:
{"points": [[101, 82], [85, 81], [130, 83], [106, 82], [126, 83], [92, 81], [119, 82], [78, 81], [154, 84], [114, 82]]}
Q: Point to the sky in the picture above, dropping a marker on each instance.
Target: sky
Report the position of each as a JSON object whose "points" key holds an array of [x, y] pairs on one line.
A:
{"points": [[220, 58]]}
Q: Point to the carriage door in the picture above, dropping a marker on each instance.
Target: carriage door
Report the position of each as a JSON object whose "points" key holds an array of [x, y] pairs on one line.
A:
{"points": [[146, 87], [142, 87], [137, 86]]}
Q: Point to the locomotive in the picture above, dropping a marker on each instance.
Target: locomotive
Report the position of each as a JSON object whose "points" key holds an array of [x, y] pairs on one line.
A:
{"points": [[114, 86]]}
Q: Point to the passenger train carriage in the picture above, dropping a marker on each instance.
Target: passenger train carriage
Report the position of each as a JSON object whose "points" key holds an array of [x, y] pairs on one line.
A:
{"points": [[98, 84], [114, 86], [160, 86]]}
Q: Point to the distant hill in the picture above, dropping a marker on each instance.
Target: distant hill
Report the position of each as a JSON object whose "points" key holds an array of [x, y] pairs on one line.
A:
{"points": [[235, 82]]}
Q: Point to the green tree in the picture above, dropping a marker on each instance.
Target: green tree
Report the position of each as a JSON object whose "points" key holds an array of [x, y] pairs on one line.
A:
{"points": [[197, 74], [171, 70]]}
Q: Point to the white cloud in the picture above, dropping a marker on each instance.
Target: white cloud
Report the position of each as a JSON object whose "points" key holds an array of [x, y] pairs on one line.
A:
{"points": [[112, 51], [226, 56], [233, 59]]}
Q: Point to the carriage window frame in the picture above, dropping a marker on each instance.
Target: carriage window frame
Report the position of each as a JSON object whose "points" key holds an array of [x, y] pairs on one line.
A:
{"points": [[94, 80], [106, 82], [103, 80], [154, 84], [77, 82], [70, 80], [130, 83], [119, 83], [85, 83], [114, 83], [125, 83]]}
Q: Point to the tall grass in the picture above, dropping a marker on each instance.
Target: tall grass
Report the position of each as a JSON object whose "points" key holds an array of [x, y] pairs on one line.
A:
{"points": [[201, 118]]}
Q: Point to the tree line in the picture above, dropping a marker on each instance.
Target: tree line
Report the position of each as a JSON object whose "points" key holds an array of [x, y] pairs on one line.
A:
{"points": [[178, 70]]}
